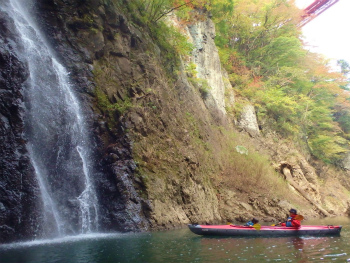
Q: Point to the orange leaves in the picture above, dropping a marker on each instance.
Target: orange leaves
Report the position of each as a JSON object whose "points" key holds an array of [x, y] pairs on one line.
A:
{"points": [[323, 72], [256, 84], [237, 65], [192, 4], [190, 11], [188, 3]]}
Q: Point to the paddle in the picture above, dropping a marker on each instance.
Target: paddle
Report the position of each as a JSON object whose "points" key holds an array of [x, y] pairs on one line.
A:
{"points": [[257, 226], [299, 217]]}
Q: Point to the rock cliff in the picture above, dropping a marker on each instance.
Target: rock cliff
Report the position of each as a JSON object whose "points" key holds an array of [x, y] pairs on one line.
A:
{"points": [[164, 153], [18, 200]]}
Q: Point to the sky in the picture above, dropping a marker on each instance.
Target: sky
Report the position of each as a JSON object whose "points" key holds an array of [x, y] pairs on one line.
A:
{"points": [[328, 33]]}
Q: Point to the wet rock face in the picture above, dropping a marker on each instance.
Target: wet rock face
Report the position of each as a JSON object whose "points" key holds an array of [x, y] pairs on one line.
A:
{"points": [[66, 25], [124, 209], [17, 183], [74, 29]]}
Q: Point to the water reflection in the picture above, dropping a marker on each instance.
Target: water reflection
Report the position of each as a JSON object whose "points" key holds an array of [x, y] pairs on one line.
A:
{"points": [[181, 246], [284, 249], [298, 244]]}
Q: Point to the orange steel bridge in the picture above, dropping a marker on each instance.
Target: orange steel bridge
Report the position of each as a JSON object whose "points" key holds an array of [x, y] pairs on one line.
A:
{"points": [[315, 9]]}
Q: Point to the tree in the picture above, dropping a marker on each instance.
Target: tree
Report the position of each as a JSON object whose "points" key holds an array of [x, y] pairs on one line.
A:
{"points": [[344, 66]]}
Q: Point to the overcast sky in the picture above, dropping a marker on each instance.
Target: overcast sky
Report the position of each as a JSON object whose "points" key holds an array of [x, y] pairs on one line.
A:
{"points": [[328, 33]]}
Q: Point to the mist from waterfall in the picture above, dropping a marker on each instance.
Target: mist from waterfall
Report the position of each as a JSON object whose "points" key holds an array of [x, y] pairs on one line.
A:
{"points": [[58, 140]]}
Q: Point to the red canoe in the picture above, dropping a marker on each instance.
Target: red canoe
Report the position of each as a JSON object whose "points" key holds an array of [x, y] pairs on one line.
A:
{"points": [[236, 230]]}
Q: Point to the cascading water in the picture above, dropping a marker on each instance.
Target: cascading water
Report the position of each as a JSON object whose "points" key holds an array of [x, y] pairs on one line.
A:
{"points": [[58, 141]]}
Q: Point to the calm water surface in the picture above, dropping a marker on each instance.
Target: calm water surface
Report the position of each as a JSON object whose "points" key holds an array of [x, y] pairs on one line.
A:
{"points": [[183, 246]]}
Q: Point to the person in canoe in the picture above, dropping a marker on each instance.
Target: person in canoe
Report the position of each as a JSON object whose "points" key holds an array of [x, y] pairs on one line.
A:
{"points": [[292, 220], [253, 222]]}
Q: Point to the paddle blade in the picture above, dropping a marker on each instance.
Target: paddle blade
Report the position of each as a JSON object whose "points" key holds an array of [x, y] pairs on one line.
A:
{"points": [[299, 217], [257, 226]]}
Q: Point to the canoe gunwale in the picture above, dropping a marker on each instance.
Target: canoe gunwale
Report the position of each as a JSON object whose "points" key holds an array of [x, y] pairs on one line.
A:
{"points": [[244, 231]]}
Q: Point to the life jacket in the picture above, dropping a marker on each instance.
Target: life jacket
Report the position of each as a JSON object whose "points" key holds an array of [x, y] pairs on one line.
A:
{"points": [[250, 223], [293, 222], [289, 223]]}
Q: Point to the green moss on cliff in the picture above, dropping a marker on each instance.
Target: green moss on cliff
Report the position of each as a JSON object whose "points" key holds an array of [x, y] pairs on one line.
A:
{"points": [[186, 156]]}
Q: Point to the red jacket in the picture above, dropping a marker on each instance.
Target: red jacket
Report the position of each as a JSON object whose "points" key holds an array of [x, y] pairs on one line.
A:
{"points": [[292, 222]]}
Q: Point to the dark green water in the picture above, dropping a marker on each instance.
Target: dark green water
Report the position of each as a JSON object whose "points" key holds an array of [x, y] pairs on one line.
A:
{"points": [[183, 246]]}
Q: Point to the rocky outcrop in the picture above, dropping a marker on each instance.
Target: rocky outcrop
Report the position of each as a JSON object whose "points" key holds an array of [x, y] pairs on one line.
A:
{"points": [[295, 177], [18, 187], [248, 121], [346, 162], [313, 182], [206, 57]]}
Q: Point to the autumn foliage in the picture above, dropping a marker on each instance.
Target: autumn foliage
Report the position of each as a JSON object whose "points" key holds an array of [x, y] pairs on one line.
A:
{"points": [[295, 91]]}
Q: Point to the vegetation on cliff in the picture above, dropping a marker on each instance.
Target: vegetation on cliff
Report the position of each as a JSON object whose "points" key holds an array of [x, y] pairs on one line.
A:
{"points": [[294, 91], [186, 158]]}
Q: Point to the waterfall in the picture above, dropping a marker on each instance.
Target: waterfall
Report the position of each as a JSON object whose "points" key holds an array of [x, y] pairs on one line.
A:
{"points": [[58, 141]]}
